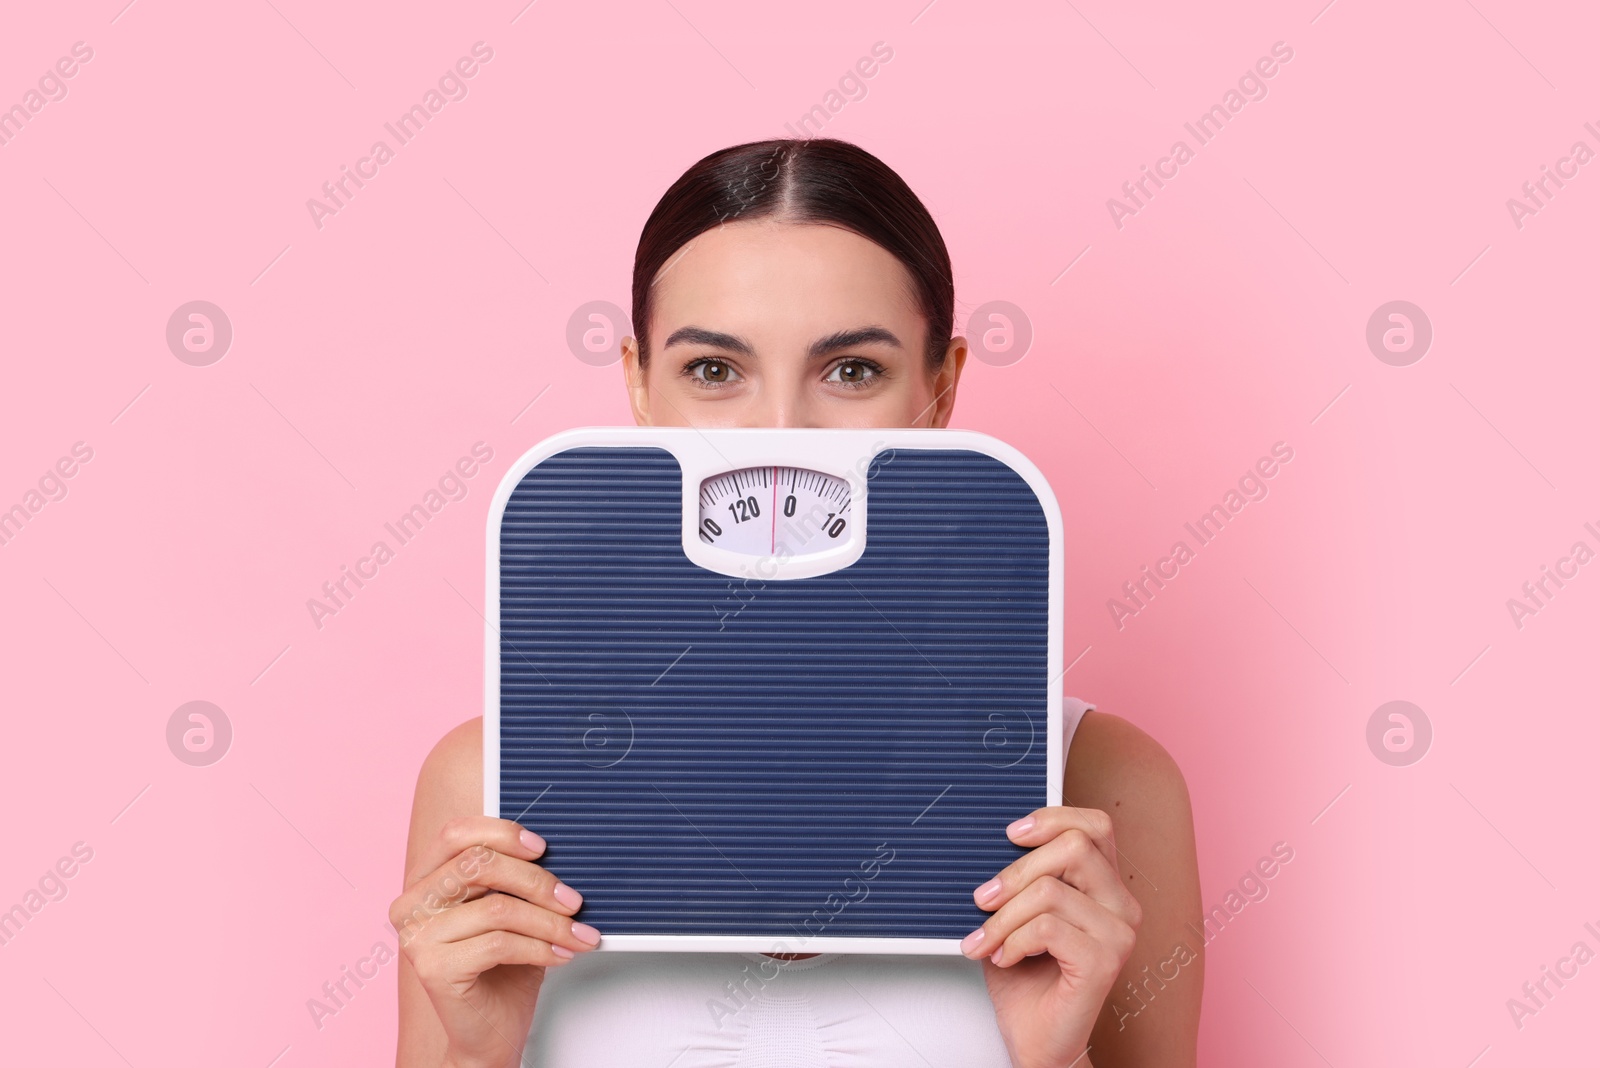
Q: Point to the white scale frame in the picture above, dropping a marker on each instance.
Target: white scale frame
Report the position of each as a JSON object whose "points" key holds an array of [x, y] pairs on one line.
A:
{"points": [[702, 453]]}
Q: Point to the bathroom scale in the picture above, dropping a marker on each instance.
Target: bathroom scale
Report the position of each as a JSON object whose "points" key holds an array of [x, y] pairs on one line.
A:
{"points": [[773, 689]]}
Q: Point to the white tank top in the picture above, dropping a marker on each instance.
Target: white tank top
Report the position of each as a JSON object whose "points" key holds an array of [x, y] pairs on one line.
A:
{"points": [[748, 1010]]}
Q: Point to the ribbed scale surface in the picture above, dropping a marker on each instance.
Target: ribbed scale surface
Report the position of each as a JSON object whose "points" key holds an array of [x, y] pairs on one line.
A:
{"points": [[706, 757]]}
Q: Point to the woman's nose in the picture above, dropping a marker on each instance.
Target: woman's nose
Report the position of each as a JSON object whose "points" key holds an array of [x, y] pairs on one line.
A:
{"points": [[782, 409]]}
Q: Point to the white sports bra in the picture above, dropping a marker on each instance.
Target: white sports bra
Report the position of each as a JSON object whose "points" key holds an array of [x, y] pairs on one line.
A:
{"points": [[748, 1010]]}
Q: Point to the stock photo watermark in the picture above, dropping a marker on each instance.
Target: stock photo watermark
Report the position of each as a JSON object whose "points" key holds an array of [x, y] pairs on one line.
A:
{"points": [[199, 333], [855, 888], [1536, 993], [1252, 86], [337, 993], [999, 333], [1251, 889], [51, 88], [1139, 593], [1537, 194], [451, 86], [49, 887], [1399, 733], [199, 733], [1536, 592], [451, 486], [1399, 333], [852, 87], [594, 330], [50, 488]]}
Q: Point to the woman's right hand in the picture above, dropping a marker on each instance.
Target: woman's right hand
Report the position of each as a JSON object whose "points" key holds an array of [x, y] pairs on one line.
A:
{"points": [[479, 923]]}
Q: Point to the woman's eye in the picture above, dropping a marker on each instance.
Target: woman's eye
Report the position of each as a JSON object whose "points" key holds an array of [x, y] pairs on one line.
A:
{"points": [[854, 372], [716, 373]]}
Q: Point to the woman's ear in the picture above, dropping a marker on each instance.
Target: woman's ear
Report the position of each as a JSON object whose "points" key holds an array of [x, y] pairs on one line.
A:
{"points": [[633, 375], [944, 383]]}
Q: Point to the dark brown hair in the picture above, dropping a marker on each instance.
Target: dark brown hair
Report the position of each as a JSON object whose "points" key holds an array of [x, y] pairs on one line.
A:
{"points": [[801, 180]]}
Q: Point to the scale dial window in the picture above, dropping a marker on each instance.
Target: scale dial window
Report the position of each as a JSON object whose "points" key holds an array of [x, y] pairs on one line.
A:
{"points": [[775, 511]]}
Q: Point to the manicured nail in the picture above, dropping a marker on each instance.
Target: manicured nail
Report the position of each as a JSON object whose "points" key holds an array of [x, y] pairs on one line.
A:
{"points": [[584, 933], [562, 952], [988, 890], [532, 841], [995, 956], [970, 943], [567, 895], [1022, 826]]}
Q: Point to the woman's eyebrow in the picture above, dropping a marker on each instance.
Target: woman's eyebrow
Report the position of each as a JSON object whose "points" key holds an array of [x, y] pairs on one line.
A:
{"points": [[694, 335], [843, 339], [847, 339]]}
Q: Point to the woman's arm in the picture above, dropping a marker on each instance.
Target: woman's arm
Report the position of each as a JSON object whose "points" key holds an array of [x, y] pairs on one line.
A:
{"points": [[478, 920], [1152, 1015]]}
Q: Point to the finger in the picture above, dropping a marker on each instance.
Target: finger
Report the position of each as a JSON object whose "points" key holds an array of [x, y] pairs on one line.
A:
{"points": [[1050, 821], [503, 912], [463, 832], [1078, 951], [477, 872], [471, 958], [1070, 856], [1049, 897]]}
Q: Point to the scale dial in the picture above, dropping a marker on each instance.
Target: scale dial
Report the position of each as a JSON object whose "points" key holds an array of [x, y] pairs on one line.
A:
{"points": [[775, 511]]}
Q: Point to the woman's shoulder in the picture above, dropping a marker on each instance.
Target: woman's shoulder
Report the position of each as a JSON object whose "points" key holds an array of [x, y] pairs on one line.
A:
{"points": [[1108, 750], [450, 783], [1114, 766]]}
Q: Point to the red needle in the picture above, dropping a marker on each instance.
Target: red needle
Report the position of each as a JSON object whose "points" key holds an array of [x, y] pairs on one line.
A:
{"points": [[774, 512]]}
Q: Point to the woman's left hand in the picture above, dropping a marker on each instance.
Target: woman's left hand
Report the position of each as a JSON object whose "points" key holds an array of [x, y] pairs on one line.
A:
{"points": [[1063, 926]]}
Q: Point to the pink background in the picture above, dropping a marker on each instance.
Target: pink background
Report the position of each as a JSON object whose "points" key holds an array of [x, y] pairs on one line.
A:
{"points": [[1227, 315]]}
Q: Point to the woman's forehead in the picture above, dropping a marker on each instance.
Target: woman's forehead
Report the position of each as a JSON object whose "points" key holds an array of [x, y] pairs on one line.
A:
{"points": [[760, 276]]}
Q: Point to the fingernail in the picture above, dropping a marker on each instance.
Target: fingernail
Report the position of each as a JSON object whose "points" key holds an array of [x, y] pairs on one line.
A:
{"points": [[1022, 826], [988, 890], [970, 943], [532, 841], [995, 956], [567, 895], [563, 952], [584, 933]]}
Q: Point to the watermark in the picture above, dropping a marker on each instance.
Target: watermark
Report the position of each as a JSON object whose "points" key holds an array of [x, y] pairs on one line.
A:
{"points": [[738, 199], [337, 993], [593, 330], [403, 927], [51, 487], [51, 886], [1399, 333], [999, 333], [1536, 993], [1537, 193], [199, 333], [199, 733], [1532, 602], [1251, 889], [456, 887], [855, 888], [852, 87], [1252, 85], [1399, 733], [52, 89], [1252, 486], [451, 486], [452, 86], [601, 740]]}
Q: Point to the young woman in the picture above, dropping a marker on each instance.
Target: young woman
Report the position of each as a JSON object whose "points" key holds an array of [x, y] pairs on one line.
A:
{"points": [[801, 283]]}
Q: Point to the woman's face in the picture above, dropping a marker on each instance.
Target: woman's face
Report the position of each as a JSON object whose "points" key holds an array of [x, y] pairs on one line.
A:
{"points": [[772, 324]]}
